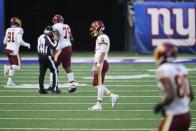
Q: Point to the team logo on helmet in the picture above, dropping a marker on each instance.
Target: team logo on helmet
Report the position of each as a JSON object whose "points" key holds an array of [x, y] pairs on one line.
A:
{"points": [[58, 19], [15, 21], [165, 53], [96, 27]]}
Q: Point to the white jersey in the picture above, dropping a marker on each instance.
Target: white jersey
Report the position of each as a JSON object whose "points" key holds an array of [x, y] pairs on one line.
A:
{"points": [[178, 75], [64, 35], [102, 45], [13, 39]]}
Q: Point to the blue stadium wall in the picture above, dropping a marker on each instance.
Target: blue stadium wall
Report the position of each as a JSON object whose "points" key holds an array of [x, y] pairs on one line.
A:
{"points": [[1, 24], [146, 40]]}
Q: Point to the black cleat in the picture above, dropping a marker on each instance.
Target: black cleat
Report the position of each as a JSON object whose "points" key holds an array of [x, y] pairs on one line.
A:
{"points": [[57, 91], [43, 91], [72, 90], [50, 88]]}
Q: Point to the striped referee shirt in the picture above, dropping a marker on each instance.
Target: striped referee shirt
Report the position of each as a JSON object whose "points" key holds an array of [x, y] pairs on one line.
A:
{"points": [[45, 45]]}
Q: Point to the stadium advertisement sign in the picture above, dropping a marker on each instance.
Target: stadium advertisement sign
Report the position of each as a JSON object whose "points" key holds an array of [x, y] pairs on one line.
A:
{"points": [[162, 22], [1, 24]]}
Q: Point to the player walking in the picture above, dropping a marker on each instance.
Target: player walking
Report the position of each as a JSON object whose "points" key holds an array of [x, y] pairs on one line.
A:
{"points": [[64, 50], [175, 89], [13, 40], [101, 64]]}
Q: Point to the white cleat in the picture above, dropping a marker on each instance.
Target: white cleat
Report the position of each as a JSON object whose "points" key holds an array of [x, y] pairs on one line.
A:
{"points": [[72, 88], [10, 83], [114, 100], [95, 108], [5, 69]]}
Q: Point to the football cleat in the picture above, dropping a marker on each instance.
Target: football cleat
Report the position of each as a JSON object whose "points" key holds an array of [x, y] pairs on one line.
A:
{"points": [[56, 91], [72, 88], [43, 91], [50, 88], [114, 100], [10, 83], [5, 69], [95, 108]]}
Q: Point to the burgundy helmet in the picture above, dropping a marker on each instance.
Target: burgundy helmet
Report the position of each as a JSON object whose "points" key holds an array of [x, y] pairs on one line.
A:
{"points": [[165, 53], [16, 21], [58, 19], [95, 27]]}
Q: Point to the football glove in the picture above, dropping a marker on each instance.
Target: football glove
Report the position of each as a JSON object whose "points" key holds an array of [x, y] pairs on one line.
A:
{"points": [[158, 108]]}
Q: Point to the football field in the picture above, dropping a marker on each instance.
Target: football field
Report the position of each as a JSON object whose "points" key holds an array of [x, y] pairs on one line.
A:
{"points": [[22, 108]]}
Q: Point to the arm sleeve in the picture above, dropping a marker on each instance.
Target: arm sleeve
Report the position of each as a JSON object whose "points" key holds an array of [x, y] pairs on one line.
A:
{"points": [[5, 39], [20, 40]]}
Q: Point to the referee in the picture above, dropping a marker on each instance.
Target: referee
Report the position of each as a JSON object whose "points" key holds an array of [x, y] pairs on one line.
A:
{"points": [[45, 46]]}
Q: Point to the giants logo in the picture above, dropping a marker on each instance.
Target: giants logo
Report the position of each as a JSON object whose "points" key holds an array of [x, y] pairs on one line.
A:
{"points": [[171, 26]]}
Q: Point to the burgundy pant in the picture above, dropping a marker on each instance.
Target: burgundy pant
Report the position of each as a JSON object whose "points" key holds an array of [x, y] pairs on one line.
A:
{"points": [[65, 57], [13, 59], [103, 71], [176, 123]]}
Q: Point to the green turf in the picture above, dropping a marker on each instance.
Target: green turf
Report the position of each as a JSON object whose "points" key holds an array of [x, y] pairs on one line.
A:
{"points": [[25, 109]]}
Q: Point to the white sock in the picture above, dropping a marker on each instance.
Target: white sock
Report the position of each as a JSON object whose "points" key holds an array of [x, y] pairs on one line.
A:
{"points": [[15, 67], [8, 67], [100, 92], [106, 91], [70, 77], [11, 73]]}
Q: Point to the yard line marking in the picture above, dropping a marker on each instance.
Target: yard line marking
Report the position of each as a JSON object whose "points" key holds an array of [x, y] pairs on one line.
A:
{"points": [[85, 119], [87, 129], [31, 86], [31, 91], [83, 129], [78, 110], [108, 77], [83, 90], [72, 103], [41, 96]]}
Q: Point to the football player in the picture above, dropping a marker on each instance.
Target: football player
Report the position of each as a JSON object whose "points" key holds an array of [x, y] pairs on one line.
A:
{"points": [[175, 89], [13, 40], [101, 65], [64, 50]]}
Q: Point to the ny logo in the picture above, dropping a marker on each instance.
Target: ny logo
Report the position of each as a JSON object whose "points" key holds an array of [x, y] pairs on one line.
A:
{"points": [[186, 35]]}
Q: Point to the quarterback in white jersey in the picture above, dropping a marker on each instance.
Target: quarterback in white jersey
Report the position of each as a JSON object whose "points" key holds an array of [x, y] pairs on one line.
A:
{"points": [[13, 40], [175, 90], [63, 51], [101, 64]]}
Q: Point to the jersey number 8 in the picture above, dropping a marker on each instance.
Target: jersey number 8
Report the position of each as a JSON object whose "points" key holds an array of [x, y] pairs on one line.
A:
{"points": [[182, 84]]}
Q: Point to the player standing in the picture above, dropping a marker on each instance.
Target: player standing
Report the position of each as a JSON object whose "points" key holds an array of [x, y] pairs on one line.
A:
{"points": [[13, 40], [46, 45], [64, 49], [175, 89], [101, 64]]}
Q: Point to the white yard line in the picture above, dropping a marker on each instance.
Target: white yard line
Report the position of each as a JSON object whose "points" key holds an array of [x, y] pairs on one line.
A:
{"points": [[85, 119], [83, 85], [74, 103], [82, 129], [7, 110], [87, 91], [58, 96]]}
